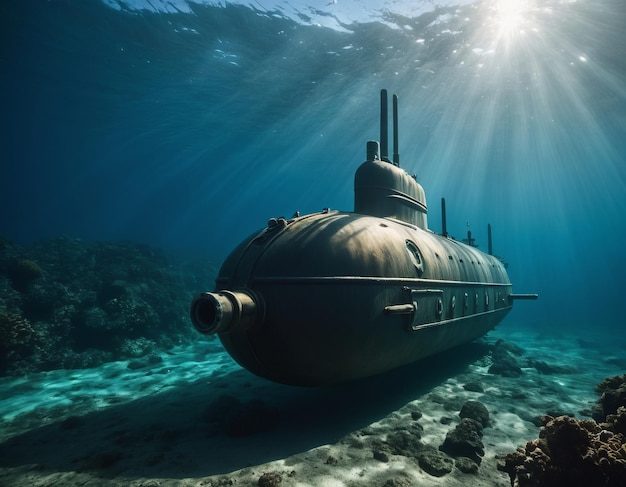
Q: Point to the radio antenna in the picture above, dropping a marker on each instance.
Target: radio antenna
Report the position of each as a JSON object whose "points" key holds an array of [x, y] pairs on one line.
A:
{"points": [[384, 146], [396, 155]]}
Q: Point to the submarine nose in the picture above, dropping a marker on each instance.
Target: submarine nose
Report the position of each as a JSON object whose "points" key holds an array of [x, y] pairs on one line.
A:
{"points": [[224, 311]]}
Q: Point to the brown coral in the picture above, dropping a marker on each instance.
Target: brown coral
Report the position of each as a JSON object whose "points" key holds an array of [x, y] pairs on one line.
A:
{"points": [[613, 390], [571, 452]]}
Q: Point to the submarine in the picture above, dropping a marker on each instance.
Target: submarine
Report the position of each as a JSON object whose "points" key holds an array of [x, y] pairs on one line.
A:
{"points": [[334, 296]]}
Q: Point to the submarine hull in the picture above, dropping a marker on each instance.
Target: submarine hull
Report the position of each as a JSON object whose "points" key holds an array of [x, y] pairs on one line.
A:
{"points": [[335, 296], [320, 346], [340, 296]]}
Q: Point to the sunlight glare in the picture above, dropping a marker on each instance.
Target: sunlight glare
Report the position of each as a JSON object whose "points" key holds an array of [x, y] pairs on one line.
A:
{"points": [[511, 17]]}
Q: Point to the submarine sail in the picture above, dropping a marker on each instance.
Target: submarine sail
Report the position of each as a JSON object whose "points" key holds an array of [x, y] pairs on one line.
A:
{"points": [[335, 296]]}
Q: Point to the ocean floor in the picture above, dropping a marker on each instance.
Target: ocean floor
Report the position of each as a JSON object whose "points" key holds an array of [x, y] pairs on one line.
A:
{"points": [[198, 419]]}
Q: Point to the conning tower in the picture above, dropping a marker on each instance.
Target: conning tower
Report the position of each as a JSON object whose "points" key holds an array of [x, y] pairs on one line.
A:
{"points": [[381, 188]]}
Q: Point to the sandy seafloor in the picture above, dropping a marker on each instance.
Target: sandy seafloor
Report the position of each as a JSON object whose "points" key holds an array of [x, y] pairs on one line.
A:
{"points": [[148, 426]]}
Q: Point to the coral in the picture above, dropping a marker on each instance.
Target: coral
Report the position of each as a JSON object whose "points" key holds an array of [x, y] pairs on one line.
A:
{"points": [[617, 422], [23, 273], [14, 330], [614, 382], [95, 302], [572, 452], [137, 347], [613, 390]]}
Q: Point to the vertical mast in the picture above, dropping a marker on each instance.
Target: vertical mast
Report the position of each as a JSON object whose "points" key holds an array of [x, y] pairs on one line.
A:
{"points": [[384, 146], [396, 155]]}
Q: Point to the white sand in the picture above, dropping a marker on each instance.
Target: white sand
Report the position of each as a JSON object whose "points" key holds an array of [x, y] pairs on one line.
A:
{"points": [[149, 427]]}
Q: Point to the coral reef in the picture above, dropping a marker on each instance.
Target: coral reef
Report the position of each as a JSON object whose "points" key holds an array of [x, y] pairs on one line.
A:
{"points": [[14, 330], [22, 273], [65, 303], [613, 390], [576, 452]]}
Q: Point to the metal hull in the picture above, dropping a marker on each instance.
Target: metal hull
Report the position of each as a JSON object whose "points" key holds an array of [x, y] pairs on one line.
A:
{"points": [[333, 308], [314, 342], [335, 296]]}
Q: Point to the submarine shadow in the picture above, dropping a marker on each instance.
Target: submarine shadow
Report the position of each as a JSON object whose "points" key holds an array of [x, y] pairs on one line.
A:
{"points": [[168, 435]]}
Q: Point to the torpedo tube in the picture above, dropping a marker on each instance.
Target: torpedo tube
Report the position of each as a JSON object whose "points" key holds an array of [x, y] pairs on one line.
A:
{"points": [[334, 296]]}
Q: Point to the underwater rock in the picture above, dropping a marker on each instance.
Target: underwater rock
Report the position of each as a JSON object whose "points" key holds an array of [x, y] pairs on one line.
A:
{"points": [[548, 369], [466, 465], [270, 479], [415, 415], [380, 455], [403, 442], [503, 362], [151, 359], [331, 460], [475, 410], [509, 347], [473, 386], [465, 440], [435, 462], [399, 481]]}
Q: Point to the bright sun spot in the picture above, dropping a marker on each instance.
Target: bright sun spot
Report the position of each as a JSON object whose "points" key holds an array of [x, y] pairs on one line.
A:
{"points": [[511, 18]]}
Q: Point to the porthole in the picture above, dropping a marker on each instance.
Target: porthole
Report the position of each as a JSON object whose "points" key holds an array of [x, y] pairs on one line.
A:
{"points": [[416, 257], [465, 301], [486, 300], [452, 306], [439, 307], [476, 302]]}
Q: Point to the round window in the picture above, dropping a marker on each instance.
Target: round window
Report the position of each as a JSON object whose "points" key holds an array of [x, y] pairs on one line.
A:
{"points": [[415, 256]]}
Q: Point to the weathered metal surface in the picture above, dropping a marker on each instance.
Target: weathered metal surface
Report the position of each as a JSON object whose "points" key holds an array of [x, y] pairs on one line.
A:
{"points": [[334, 296]]}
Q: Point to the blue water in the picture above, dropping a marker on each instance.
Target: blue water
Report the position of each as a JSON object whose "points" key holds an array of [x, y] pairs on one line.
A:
{"points": [[187, 125]]}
